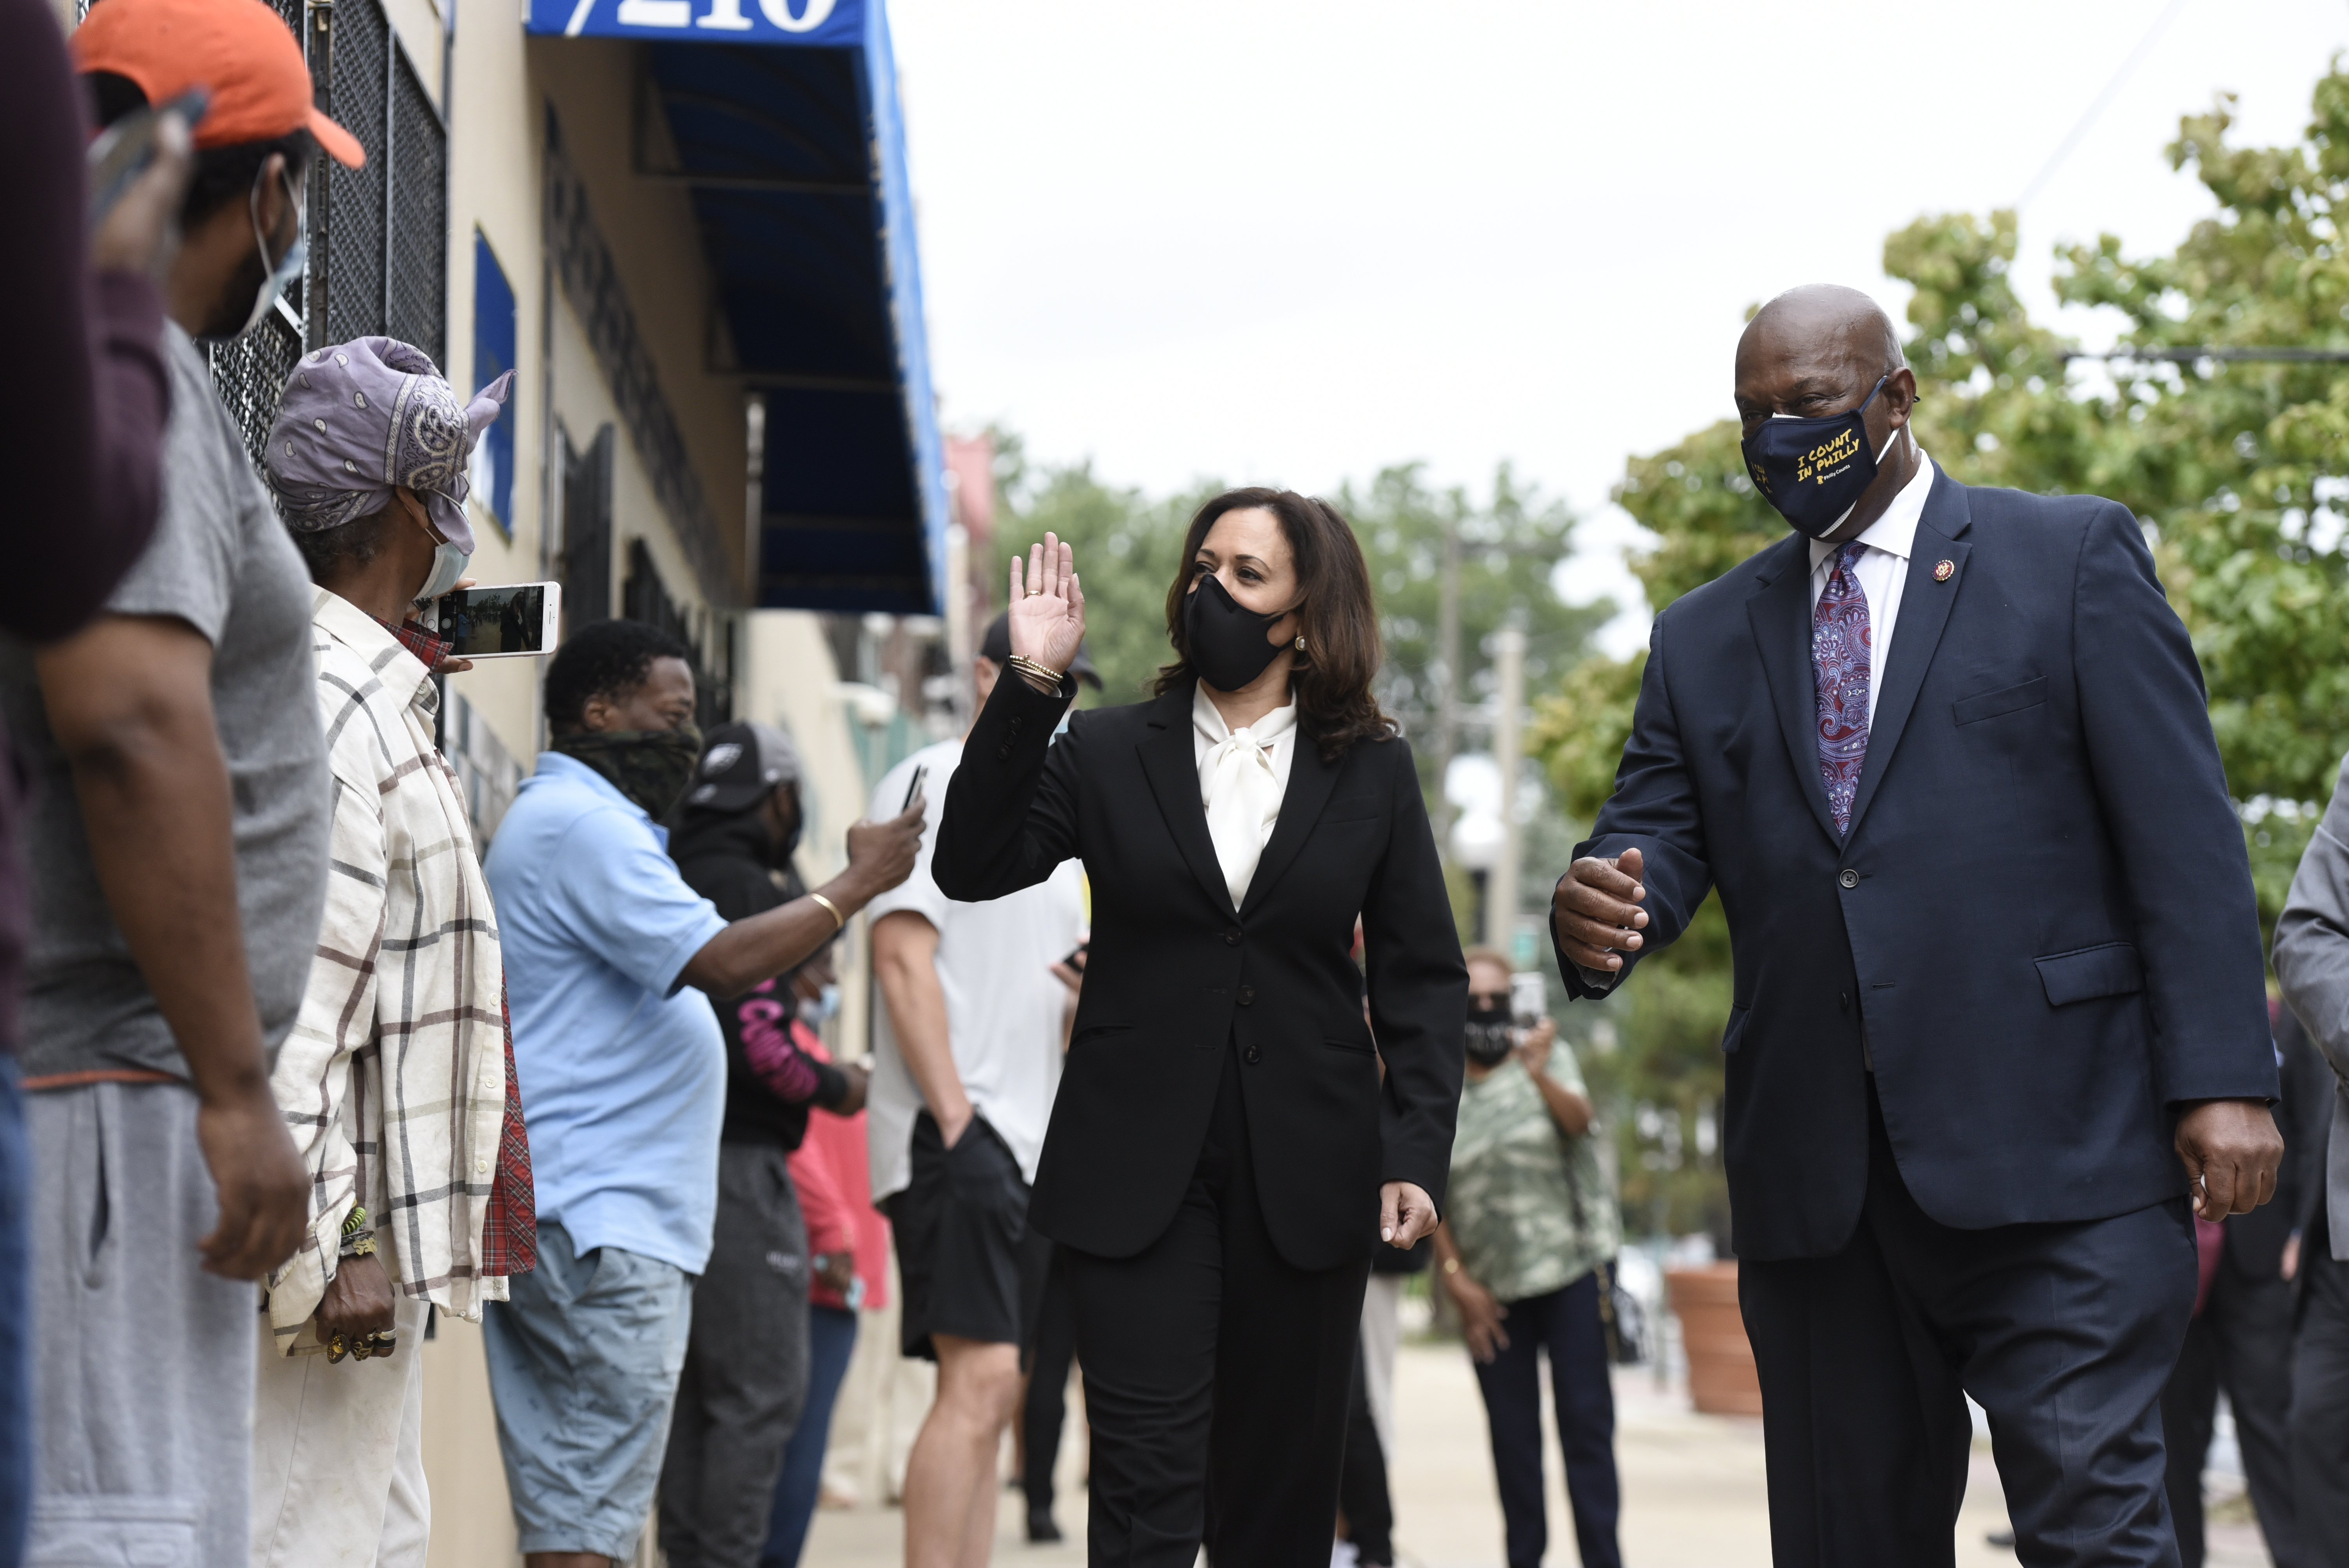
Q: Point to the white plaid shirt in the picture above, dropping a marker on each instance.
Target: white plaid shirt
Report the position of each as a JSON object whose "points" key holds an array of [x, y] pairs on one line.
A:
{"points": [[393, 1080]]}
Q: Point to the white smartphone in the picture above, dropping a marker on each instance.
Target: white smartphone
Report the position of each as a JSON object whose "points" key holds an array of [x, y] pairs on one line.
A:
{"points": [[513, 620], [1528, 997]]}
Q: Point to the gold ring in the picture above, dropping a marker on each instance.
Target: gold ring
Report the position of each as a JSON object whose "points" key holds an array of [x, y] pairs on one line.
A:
{"points": [[1035, 593]]}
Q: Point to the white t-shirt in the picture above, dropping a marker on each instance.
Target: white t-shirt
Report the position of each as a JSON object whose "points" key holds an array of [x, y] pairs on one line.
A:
{"points": [[1004, 1005]]}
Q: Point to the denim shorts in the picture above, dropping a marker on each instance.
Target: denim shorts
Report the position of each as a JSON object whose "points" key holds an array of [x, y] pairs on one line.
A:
{"points": [[584, 1362]]}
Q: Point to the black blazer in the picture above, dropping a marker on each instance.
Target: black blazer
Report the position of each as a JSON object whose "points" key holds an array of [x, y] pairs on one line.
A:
{"points": [[1175, 977], [2042, 918]]}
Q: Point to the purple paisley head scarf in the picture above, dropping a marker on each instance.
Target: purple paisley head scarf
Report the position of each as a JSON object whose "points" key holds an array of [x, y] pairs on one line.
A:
{"points": [[364, 416]]}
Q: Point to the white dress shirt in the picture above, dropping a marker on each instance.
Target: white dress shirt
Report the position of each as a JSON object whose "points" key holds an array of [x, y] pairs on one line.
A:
{"points": [[1243, 774], [1882, 570]]}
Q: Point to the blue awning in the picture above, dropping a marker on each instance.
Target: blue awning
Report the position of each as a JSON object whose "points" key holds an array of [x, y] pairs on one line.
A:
{"points": [[781, 117]]}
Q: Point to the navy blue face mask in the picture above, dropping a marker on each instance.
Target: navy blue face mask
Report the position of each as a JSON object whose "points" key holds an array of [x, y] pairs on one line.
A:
{"points": [[1814, 471]]}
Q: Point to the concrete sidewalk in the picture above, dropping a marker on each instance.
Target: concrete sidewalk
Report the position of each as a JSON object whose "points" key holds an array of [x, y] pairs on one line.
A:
{"points": [[1694, 1493]]}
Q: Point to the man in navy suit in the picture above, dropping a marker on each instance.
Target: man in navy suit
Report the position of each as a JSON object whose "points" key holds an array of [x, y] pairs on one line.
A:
{"points": [[1999, 1011]]}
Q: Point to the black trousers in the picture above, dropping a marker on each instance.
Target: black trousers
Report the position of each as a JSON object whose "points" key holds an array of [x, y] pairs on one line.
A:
{"points": [[2320, 1403], [1212, 1365], [2241, 1343], [1363, 1480], [2065, 1333], [1050, 1350], [1566, 1323], [746, 1368]]}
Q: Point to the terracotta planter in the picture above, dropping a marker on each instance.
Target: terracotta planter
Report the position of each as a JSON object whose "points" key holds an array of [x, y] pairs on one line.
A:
{"points": [[1722, 1379]]}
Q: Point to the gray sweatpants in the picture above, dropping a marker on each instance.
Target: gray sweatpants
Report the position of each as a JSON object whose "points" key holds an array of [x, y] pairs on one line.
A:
{"points": [[746, 1368], [142, 1387]]}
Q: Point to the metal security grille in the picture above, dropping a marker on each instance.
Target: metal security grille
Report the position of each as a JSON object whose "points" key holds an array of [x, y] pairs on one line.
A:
{"points": [[709, 637], [416, 257], [358, 74]]}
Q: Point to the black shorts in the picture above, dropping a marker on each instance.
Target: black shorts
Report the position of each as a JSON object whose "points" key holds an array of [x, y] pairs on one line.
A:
{"points": [[967, 1263]]}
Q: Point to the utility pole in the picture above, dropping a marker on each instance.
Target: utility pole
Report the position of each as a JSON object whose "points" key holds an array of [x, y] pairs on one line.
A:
{"points": [[1501, 894], [1447, 696]]}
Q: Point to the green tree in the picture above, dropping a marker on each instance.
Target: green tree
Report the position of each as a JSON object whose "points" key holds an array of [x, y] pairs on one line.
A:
{"points": [[1510, 546]]}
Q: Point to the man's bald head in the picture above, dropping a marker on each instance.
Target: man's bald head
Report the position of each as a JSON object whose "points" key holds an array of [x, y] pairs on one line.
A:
{"points": [[1824, 350], [1821, 319]]}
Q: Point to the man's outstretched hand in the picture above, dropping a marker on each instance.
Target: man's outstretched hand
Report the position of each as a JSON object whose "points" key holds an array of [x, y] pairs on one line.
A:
{"points": [[1595, 913], [2230, 1150]]}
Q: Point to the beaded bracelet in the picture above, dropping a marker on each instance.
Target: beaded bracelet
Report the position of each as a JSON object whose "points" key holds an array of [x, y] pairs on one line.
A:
{"points": [[357, 1239], [1036, 670]]}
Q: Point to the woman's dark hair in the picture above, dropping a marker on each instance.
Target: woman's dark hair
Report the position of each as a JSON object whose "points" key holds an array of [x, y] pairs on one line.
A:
{"points": [[330, 552], [223, 174], [603, 658], [1340, 621]]}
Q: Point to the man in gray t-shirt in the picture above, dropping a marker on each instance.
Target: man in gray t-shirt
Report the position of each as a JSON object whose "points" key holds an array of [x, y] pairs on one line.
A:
{"points": [[221, 567], [177, 847]]}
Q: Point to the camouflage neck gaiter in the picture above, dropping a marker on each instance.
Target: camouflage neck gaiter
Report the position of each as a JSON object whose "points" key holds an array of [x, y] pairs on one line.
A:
{"points": [[650, 767]]}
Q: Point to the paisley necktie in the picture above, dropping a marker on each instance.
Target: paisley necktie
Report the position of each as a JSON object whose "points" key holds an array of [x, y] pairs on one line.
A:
{"points": [[1842, 665]]}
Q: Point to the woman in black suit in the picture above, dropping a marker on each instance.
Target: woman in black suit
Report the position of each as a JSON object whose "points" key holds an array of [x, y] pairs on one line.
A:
{"points": [[1222, 1155]]}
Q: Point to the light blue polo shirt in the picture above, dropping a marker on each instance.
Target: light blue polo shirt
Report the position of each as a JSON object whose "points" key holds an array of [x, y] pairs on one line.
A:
{"points": [[622, 1074]]}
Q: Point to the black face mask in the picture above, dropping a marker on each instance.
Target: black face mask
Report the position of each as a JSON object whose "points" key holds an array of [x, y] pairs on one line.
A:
{"points": [[1223, 638], [1491, 1035], [1814, 471], [650, 767]]}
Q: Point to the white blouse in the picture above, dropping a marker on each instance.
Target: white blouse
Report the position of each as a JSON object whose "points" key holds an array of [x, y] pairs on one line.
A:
{"points": [[1243, 774]]}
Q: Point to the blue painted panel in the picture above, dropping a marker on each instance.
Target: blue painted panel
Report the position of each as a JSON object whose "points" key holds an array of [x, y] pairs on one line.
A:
{"points": [[493, 356]]}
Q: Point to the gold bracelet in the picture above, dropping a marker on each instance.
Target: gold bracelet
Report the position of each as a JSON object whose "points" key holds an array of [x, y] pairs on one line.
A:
{"points": [[838, 919], [1043, 672]]}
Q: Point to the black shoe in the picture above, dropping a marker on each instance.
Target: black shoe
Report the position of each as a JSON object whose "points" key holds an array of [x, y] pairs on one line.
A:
{"points": [[1041, 1531], [2002, 1537]]}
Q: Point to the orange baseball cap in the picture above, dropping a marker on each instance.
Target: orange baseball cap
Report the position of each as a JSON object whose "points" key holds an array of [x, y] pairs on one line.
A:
{"points": [[240, 50]]}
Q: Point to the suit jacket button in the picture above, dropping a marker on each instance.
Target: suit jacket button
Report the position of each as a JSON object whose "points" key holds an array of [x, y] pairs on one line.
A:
{"points": [[1017, 720], [1232, 937], [1850, 879], [1248, 994], [1251, 1056]]}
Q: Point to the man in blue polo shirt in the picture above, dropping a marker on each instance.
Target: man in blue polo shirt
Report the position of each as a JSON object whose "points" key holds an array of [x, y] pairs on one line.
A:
{"points": [[610, 963]]}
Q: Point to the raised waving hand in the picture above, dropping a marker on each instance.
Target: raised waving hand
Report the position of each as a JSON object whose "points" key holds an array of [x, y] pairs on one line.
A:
{"points": [[1048, 607]]}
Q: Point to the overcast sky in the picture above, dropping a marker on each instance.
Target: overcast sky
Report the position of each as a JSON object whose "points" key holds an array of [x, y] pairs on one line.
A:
{"points": [[1292, 242]]}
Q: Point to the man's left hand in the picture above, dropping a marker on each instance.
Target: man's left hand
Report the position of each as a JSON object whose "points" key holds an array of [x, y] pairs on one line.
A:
{"points": [[358, 1302], [2231, 1148], [1406, 1213]]}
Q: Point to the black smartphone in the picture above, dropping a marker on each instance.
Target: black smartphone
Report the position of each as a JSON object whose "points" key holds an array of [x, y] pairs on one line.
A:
{"points": [[1076, 958], [120, 153], [512, 620], [921, 773]]}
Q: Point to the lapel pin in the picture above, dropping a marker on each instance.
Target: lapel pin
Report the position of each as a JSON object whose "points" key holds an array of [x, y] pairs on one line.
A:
{"points": [[1945, 571]]}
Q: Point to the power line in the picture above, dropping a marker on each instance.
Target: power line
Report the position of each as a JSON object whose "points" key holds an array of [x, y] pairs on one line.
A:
{"points": [[2103, 99], [2272, 353]]}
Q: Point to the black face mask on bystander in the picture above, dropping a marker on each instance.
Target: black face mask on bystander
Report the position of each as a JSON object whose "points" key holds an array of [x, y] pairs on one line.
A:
{"points": [[650, 767], [1492, 1034]]}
